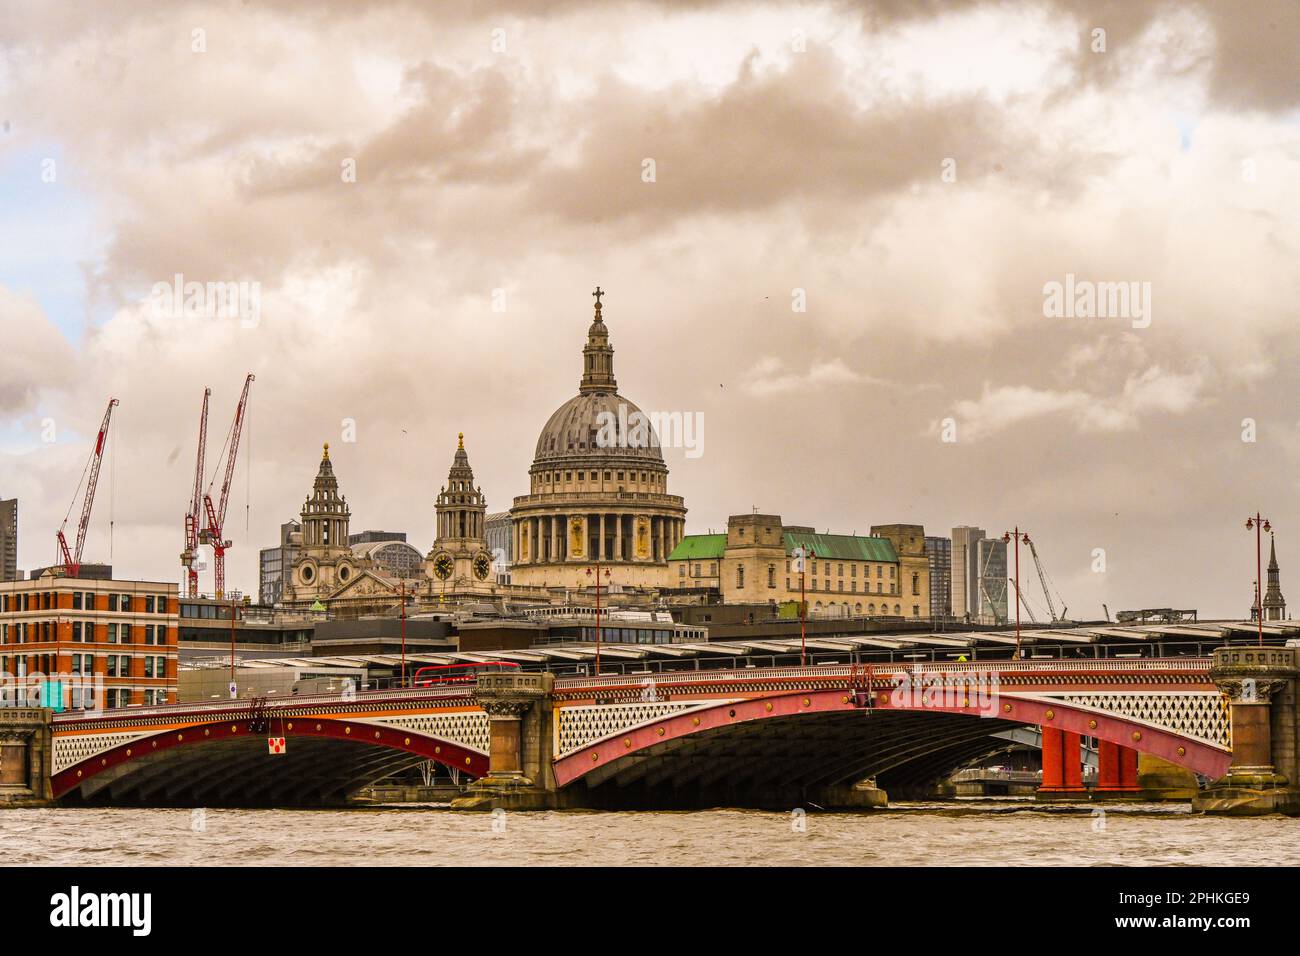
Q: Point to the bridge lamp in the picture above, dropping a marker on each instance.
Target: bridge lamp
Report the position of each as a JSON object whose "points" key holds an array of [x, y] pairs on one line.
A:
{"points": [[1019, 537], [1259, 525]]}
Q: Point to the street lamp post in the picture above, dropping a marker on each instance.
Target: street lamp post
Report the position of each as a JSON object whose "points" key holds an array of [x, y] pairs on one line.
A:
{"points": [[402, 592], [1019, 537], [1259, 526], [801, 556], [596, 574], [233, 613]]}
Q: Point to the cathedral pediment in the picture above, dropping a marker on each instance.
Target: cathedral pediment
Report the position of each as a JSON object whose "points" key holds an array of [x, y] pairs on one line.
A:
{"points": [[367, 584]]}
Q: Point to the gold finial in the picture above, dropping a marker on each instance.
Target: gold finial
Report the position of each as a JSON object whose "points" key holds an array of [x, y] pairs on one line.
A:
{"points": [[598, 293], [462, 440], [327, 450]]}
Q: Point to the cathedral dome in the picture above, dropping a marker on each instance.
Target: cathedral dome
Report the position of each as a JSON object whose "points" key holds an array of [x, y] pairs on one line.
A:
{"points": [[583, 427], [598, 424]]}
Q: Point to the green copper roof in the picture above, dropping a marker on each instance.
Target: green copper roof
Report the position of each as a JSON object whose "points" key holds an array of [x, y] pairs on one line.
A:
{"points": [[696, 546], [842, 547]]}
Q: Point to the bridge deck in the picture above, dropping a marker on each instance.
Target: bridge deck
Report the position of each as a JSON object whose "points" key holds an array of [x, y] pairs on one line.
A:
{"points": [[1188, 666]]}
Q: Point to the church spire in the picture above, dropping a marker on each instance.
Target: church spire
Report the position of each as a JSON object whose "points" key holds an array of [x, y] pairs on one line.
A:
{"points": [[1274, 603], [598, 356]]}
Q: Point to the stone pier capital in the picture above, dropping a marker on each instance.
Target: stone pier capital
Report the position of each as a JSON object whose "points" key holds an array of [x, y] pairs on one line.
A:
{"points": [[1260, 684]]}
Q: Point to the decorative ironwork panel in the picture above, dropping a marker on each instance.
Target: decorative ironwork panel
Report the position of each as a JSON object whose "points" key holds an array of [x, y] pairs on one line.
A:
{"points": [[468, 729], [69, 751], [584, 724], [1200, 715]]}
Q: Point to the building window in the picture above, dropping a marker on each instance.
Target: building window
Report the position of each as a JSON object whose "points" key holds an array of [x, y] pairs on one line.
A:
{"points": [[916, 584], [681, 570], [713, 569], [771, 575], [740, 575]]}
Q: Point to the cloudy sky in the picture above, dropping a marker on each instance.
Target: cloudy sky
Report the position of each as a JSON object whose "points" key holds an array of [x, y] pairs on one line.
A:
{"points": [[839, 261]]}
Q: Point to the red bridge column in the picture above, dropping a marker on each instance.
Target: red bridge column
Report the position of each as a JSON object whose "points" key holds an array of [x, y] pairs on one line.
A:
{"points": [[1052, 781], [1117, 768], [1108, 772], [1062, 770], [1128, 770], [1072, 763]]}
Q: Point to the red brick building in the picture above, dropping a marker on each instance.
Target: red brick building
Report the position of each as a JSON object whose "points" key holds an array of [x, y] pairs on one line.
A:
{"points": [[119, 635]]}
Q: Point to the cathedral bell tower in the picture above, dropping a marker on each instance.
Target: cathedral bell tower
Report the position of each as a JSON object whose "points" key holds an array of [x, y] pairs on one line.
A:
{"points": [[326, 560], [460, 558]]}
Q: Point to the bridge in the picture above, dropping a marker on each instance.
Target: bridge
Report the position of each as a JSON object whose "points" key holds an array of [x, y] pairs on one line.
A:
{"points": [[775, 736]]}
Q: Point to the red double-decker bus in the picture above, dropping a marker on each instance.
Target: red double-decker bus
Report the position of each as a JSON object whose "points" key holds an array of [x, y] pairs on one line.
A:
{"points": [[438, 675]]}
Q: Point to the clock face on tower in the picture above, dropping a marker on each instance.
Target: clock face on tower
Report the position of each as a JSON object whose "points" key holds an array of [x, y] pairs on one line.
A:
{"points": [[482, 566], [442, 566]]}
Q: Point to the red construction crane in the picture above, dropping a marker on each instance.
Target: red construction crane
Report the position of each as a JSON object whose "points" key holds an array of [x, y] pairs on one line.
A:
{"points": [[72, 559], [194, 517], [212, 534]]}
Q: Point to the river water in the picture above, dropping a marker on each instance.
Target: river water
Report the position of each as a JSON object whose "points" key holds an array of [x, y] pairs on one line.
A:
{"points": [[959, 833]]}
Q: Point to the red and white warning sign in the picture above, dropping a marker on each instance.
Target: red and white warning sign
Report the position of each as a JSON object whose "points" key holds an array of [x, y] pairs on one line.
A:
{"points": [[275, 745]]}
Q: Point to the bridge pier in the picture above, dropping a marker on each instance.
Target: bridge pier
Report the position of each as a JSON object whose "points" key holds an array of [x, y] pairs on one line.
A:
{"points": [[1117, 772], [1062, 767], [519, 776], [26, 747], [1260, 683]]}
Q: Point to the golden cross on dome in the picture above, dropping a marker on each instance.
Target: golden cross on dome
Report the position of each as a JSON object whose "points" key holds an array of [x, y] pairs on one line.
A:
{"points": [[598, 293]]}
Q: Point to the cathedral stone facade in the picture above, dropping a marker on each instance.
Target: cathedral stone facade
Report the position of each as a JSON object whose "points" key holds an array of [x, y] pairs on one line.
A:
{"points": [[598, 495], [598, 489]]}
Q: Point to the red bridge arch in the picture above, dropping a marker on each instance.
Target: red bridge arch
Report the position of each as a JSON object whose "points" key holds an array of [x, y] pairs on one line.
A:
{"points": [[447, 753], [1019, 710]]}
